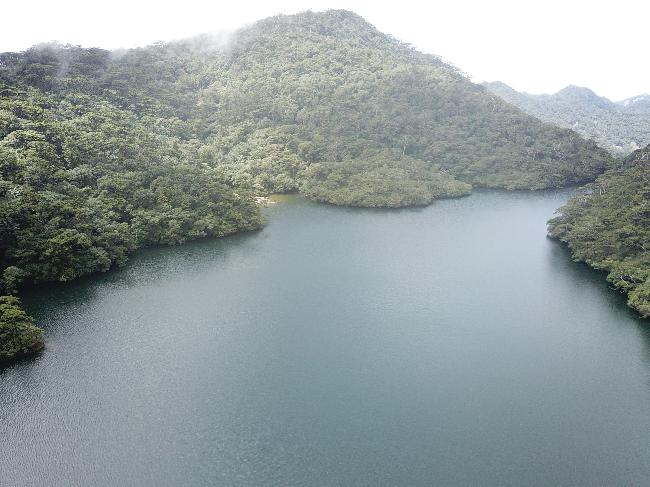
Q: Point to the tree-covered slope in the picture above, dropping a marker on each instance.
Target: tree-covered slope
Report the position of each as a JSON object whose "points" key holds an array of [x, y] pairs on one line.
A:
{"points": [[324, 88], [607, 225], [83, 183], [338, 90], [620, 127]]}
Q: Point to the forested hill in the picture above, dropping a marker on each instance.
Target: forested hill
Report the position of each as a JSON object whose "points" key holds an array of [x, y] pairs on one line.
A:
{"points": [[104, 152], [316, 90], [620, 127], [351, 97], [607, 225]]}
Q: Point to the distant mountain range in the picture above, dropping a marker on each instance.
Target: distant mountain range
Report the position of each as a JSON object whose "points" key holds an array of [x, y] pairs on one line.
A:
{"points": [[620, 127]]}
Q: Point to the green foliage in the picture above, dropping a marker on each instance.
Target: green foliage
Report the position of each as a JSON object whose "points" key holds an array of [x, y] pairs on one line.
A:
{"points": [[329, 88], [83, 183], [607, 225], [619, 127], [18, 336], [384, 180]]}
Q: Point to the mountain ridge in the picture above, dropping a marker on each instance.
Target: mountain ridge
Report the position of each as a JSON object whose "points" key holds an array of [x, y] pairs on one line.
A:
{"points": [[618, 126]]}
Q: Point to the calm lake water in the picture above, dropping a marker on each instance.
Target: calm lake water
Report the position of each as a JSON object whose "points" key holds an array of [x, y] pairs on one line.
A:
{"points": [[451, 345]]}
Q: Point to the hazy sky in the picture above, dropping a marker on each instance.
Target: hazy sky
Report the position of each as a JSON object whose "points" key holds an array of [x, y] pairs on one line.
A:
{"points": [[537, 46]]}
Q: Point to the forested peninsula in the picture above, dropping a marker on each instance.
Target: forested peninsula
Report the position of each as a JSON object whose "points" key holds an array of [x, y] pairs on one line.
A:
{"points": [[102, 153], [607, 225]]}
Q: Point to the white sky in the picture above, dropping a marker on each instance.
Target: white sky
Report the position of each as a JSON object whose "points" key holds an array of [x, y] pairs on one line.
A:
{"points": [[537, 46]]}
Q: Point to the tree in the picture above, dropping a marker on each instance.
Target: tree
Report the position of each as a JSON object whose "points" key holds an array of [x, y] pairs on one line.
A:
{"points": [[18, 336]]}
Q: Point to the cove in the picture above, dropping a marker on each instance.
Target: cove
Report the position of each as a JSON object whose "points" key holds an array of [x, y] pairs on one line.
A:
{"points": [[449, 345]]}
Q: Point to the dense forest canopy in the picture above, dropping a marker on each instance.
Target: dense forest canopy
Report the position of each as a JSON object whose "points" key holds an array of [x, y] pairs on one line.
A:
{"points": [[620, 127], [607, 225], [84, 183], [317, 88]]}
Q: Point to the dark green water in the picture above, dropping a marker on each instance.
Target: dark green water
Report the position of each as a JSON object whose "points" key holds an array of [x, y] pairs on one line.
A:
{"points": [[452, 345]]}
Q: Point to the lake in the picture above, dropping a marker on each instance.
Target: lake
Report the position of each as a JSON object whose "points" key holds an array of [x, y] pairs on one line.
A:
{"points": [[451, 345]]}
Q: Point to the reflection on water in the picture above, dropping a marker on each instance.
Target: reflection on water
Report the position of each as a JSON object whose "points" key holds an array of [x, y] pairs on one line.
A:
{"points": [[447, 345]]}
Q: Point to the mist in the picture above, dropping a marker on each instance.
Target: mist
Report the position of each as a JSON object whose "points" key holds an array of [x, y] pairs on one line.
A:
{"points": [[538, 48]]}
